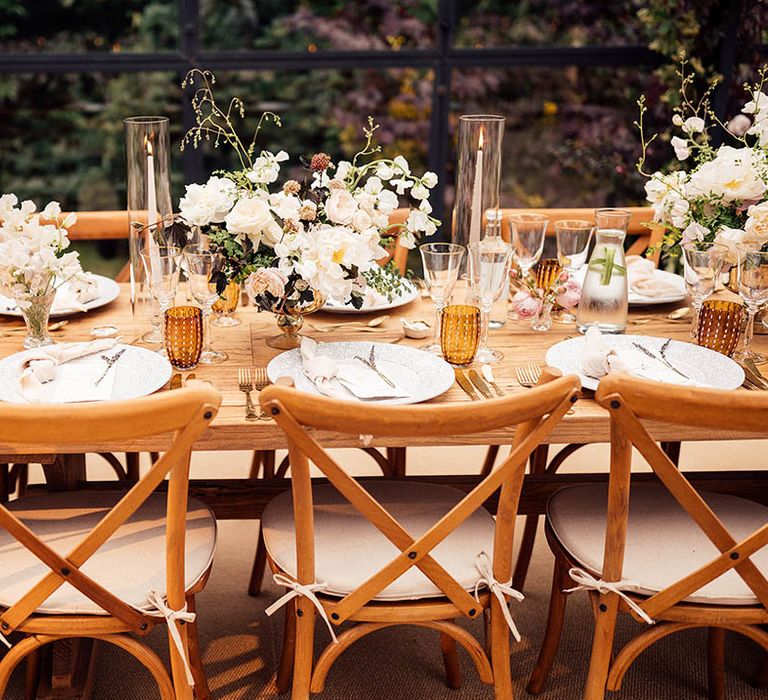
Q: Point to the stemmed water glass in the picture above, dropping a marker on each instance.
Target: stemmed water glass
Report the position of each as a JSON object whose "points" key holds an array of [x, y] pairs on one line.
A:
{"points": [[441, 270], [161, 264], [201, 264], [528, 232], [702, 262], [573, 237], [753, 289], [488, 271]]}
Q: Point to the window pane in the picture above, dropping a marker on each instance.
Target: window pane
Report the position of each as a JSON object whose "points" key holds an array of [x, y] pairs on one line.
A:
{"points": [[569, 139], [65, 26], [313, 25], [483, 23], [326, 111]]}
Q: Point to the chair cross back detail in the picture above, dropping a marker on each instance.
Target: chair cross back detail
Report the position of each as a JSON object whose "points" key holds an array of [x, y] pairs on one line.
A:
{"points": [[542, 409], [184, 413], [630, 401]]}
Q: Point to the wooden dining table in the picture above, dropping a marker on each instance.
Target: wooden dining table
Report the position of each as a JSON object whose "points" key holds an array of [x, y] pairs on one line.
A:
{"points": [[247, 348]]}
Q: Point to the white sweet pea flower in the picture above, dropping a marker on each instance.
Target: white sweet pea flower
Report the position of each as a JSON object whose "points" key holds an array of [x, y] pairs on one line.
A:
{"points": [[694, 232], [52, 211], [693, 125], [425, 206], [678, 214], [387, 201], [266, 168], [419, 191], [681, 148], [366, 201], [402, 163], [342, 169], [677, 120], [374, 185], [429, 179], [320, 180], [417, 221], [757, 106], [69, 220], [7, 203], [340, 207], [385, 171]]}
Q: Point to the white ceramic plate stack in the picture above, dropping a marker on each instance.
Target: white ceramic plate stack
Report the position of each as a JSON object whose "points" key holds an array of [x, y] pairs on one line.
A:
{"points": [[705, 367], [422, 374], [407, 295], [109, 290], [138, 372]]}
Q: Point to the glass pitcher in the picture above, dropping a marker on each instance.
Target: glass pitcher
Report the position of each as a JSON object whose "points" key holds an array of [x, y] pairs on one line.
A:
{"points": [[604, 292]]}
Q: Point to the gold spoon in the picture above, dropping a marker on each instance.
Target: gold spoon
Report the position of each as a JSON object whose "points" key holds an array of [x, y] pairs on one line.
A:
{"points": [[53, 327], [680, 313], [373, 323]]}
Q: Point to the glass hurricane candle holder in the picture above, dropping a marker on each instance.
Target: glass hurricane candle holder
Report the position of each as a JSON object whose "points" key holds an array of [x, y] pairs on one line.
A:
{"points": [[183, 327], [719, 325], [460, 334]]}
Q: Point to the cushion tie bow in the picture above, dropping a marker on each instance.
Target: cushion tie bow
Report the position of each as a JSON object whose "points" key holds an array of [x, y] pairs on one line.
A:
{"points": [[300, 589], [587, 582], [483, 564], [173, 616]]}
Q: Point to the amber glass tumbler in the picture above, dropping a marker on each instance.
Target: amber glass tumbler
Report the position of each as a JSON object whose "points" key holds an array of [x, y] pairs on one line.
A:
{"points": [[460, 333], [183, 335]]}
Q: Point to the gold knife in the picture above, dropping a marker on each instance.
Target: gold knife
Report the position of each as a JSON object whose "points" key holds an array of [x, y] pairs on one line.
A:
{"points": [[479, 382], [176, 381], [754, 377], [465, 384], [752, 365]]}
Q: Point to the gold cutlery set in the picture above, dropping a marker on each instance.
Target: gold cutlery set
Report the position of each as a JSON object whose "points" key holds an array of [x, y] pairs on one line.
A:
{"points": [[472, 383], [247, 381], [754, 377]]}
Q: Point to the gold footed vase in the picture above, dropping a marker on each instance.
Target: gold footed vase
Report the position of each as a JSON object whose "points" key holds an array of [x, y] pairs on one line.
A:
{"points": [[290, 320]]}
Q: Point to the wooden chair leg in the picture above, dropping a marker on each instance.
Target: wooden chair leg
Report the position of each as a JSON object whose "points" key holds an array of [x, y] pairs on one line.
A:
{"points": [[397, 458], [132, 473], [761, 677], [500, 651], [259, 567], [32, 675], [672, 450], [285, 669], [557, 605], [202, 691], [451, 662], [304, 650], [5, 483], [490, 460], [19, 479], [602, 647], [255, 464], [538, 466], [716, 663]]}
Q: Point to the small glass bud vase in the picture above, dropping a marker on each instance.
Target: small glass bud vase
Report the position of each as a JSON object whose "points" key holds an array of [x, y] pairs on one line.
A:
{"points": [[36, 317]]}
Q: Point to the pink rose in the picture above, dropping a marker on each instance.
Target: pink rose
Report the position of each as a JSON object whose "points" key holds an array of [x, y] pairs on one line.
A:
{"points": [[265, 279], [526, 305], [570, 295]]}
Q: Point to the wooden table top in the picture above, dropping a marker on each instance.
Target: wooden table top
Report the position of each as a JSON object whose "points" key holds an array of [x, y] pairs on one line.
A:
{"points": [[246, 347]]}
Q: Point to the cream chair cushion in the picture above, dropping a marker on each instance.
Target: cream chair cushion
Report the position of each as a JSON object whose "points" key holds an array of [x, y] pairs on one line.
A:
{"points": [[129, 564], [349, 550], [664, 544]]}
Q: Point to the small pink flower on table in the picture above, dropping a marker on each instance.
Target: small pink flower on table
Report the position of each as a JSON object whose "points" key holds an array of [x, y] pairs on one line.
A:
{"points": [[568, 294], [526, 305]]}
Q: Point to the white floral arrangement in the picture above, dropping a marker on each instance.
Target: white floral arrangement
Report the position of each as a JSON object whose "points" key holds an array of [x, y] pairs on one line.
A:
{"points": [[33, 261], [721, 197], [322, 236]]}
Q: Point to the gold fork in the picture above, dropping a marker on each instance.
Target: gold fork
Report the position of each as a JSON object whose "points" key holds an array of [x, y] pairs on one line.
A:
{"points": [[528, 375], [261, 380], [246, 386]]}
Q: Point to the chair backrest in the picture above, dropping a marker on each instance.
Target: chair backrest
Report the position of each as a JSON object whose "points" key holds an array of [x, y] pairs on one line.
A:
{"points": [[631, 401], [97, 427], [535, 413]]}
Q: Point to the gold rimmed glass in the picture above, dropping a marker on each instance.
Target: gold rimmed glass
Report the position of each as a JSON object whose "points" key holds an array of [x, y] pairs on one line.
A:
{"points": [[753, 289], [441, 263], [702, 264], [460, 333], [573, 237], [183, 332], [719, 325], [528, 232]]}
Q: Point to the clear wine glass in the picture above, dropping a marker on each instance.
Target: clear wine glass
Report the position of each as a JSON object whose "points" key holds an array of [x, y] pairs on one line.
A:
{"points": [[702, 265], [488, 271], [573, 237], [528, 232], [753, 289], [201, 264], [441, 263], [161, 264]]}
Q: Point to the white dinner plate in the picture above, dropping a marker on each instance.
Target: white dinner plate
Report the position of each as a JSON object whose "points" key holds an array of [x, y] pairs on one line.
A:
{"points": [[138, 372], [422, 374], [706, 367], [668, 277], [109, 290], [407, 295]]}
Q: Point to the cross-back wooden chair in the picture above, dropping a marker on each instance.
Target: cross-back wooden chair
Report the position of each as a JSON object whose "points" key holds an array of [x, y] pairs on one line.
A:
{"points": [[105, 565], [664, 553], [396, 552]]}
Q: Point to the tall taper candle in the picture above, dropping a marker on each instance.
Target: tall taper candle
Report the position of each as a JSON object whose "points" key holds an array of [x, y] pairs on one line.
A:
{"points": [[477, 194]]}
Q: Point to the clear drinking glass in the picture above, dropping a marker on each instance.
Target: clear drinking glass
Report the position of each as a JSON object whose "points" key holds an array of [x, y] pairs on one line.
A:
{"points": [[201, 264], [161, 267], [441, 263], [528, 232], [702, 265], [604, 294], [573, 237], [488, 270], [753, 289]]}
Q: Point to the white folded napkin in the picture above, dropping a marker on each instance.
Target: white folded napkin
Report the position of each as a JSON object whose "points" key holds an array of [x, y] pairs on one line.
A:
{"points": [[600, 357], [343, 379], [643, 280], [74, 381]]}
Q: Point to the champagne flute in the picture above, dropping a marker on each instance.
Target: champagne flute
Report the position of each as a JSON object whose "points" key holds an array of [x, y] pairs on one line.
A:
{"points": [[161, 264], [202, 263], [441, 271], [528, 232], [702, 263], [488, 271], [753, 289]]}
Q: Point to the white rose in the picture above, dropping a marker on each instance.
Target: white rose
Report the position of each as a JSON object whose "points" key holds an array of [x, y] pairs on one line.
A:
{"points": [[361, 220], [251, 216], [284, 205], [341, 207], [756, 226], [387, 201], [374, 185], [693, 125], [734, 174], [731, 238], [366, 201], [681, 148], [265, 279]]}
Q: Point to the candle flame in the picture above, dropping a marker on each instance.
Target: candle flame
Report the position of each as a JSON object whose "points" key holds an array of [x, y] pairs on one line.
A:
{"points": [[148, 144], [480, 141]]}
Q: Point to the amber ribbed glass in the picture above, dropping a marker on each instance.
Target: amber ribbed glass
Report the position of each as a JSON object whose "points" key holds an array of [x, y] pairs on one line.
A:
{"points": [[184, 336], [460, 333], [547, 272], [719, 325]]}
